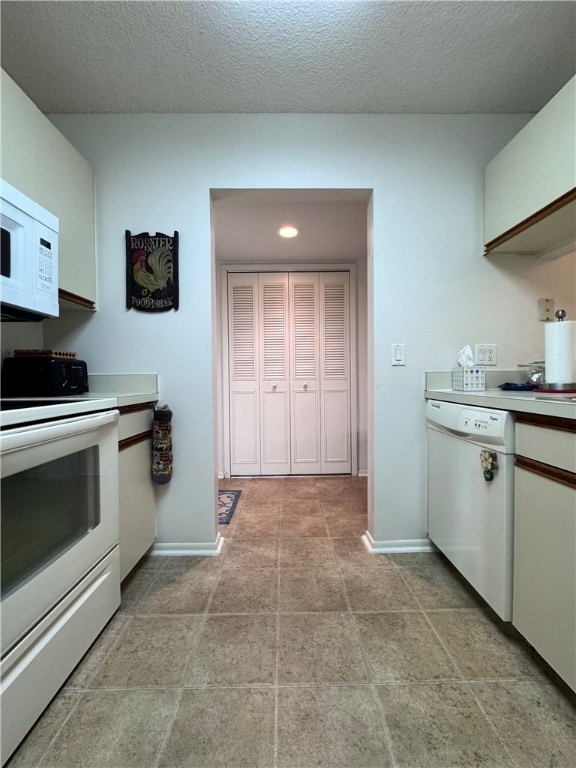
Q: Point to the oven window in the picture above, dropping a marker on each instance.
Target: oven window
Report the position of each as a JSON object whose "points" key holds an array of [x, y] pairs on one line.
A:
{"points": [[45, 510]]}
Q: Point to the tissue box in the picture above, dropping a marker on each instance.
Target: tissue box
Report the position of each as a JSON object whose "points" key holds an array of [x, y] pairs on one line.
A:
{"points": [[468, 379]]}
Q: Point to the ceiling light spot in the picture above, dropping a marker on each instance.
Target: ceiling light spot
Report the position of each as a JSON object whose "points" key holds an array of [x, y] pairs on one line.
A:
{"points": [[288, 231]]}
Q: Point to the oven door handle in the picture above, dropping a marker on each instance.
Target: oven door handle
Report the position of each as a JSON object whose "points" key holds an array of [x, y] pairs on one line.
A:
{"points": [[37, 434]]}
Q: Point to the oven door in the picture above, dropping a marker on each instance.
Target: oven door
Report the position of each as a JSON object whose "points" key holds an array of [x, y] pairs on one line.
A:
{"points": [[59, 513]]}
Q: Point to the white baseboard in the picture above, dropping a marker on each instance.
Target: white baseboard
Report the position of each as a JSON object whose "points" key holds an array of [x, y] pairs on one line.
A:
{"points": [[226, 476], [398, 545], [205, 549]]}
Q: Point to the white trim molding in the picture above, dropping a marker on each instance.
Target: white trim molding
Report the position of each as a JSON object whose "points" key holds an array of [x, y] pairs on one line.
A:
{"points": [[399, 545], [205, 549]]}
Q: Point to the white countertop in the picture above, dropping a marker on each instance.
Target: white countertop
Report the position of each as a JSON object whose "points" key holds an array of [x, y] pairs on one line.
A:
{"points": [[437, 387], [127, 388], [559, 406], [107, 392], [120, 398]]}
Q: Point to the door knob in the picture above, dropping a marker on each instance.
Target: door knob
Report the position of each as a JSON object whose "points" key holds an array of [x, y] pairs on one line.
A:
{"points": [[274, 387], [305, 386]]}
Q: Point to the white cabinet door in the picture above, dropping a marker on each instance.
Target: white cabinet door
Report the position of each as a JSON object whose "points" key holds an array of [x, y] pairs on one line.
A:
{"points": [[137, 505], [335, 372], [545, 568], [41, 163], [533, 178], [243, 374], [274, 364], [305, 373]]}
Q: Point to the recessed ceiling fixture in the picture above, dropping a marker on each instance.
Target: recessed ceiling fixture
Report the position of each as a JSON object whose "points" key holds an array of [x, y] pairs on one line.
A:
{"points": [[288, 231]]}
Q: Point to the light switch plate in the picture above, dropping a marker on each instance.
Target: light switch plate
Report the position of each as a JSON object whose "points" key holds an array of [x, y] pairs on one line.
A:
{"points": [[398, 354]]}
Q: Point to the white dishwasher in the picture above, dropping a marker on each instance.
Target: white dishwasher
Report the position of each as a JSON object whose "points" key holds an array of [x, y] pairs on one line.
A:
{"points": [[470, 495]]}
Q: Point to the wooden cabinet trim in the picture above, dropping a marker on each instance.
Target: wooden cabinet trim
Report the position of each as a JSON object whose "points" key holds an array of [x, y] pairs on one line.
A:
{"points": [[73, 298], [555, 474], [550, 422], [124, 409], [128, 442], [563, 200]]}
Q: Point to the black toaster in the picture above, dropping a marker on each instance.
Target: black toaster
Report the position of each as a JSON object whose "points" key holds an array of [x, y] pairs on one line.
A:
{"points": [[43, 377]]}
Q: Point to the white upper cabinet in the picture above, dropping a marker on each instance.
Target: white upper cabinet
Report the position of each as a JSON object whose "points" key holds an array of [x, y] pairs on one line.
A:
{"points": [[41, 163], [530, 186]]}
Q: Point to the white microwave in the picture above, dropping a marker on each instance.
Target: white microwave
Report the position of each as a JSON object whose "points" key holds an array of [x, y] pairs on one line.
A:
{"points": [[29, 257]]}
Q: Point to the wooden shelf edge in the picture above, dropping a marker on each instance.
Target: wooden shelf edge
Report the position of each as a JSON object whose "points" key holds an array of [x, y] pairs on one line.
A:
{"points": [[556, 474], [551, 422], [540, 215], [74, 298], [128, 442], [148, 406]]}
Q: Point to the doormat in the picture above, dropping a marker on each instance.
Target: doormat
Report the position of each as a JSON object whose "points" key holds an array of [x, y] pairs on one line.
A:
{"points": [[227, 501]]}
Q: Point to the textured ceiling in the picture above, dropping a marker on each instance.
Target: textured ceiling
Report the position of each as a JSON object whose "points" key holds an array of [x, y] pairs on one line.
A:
{"points": [[349, 56]]}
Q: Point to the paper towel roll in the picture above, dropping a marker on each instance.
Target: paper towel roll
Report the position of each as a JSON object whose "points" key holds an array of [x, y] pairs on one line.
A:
{"points": [[560, 352]]}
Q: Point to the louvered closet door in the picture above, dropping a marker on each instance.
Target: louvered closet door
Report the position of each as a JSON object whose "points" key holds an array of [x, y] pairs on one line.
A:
{"points": [[304, 374], [335, 372], [289, 371], [244, 374], [274, 382]]}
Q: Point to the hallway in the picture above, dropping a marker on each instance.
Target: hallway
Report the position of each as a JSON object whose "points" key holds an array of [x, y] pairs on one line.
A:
{"points": [[297, 648]]}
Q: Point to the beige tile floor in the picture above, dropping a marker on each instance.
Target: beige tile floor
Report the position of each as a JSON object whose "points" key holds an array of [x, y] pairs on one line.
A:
{"points": [[296, 649]]}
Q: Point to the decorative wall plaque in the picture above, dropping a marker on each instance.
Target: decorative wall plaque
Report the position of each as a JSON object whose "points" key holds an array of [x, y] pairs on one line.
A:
{"points": [[151, 271]]}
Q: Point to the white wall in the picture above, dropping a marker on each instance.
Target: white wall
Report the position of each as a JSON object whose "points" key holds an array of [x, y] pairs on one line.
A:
{"points": [[21, 336], [433, 288]]}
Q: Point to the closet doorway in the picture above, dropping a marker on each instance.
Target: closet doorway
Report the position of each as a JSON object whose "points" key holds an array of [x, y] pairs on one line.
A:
{"points": [[290, 371]]}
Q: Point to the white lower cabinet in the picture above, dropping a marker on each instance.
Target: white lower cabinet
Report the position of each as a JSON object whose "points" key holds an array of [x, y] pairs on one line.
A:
{"points": [[137, 497], [544, 602]]}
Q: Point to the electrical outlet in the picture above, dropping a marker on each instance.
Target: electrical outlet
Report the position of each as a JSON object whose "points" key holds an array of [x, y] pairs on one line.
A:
{"points": [[546, 309], [486, 354]]}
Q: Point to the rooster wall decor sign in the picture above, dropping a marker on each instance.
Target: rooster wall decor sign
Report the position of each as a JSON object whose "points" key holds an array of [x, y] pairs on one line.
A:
{"points": [[151, 271]]}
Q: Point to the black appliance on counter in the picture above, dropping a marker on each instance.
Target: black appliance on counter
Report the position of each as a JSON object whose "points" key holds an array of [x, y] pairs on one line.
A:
{"points": [[31, 376]]}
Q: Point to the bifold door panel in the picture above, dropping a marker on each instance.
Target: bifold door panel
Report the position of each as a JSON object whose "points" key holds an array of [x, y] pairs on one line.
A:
{"points": [[305, 373], [335, 373], [273, 333], [244, 376], [289, 373]]}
